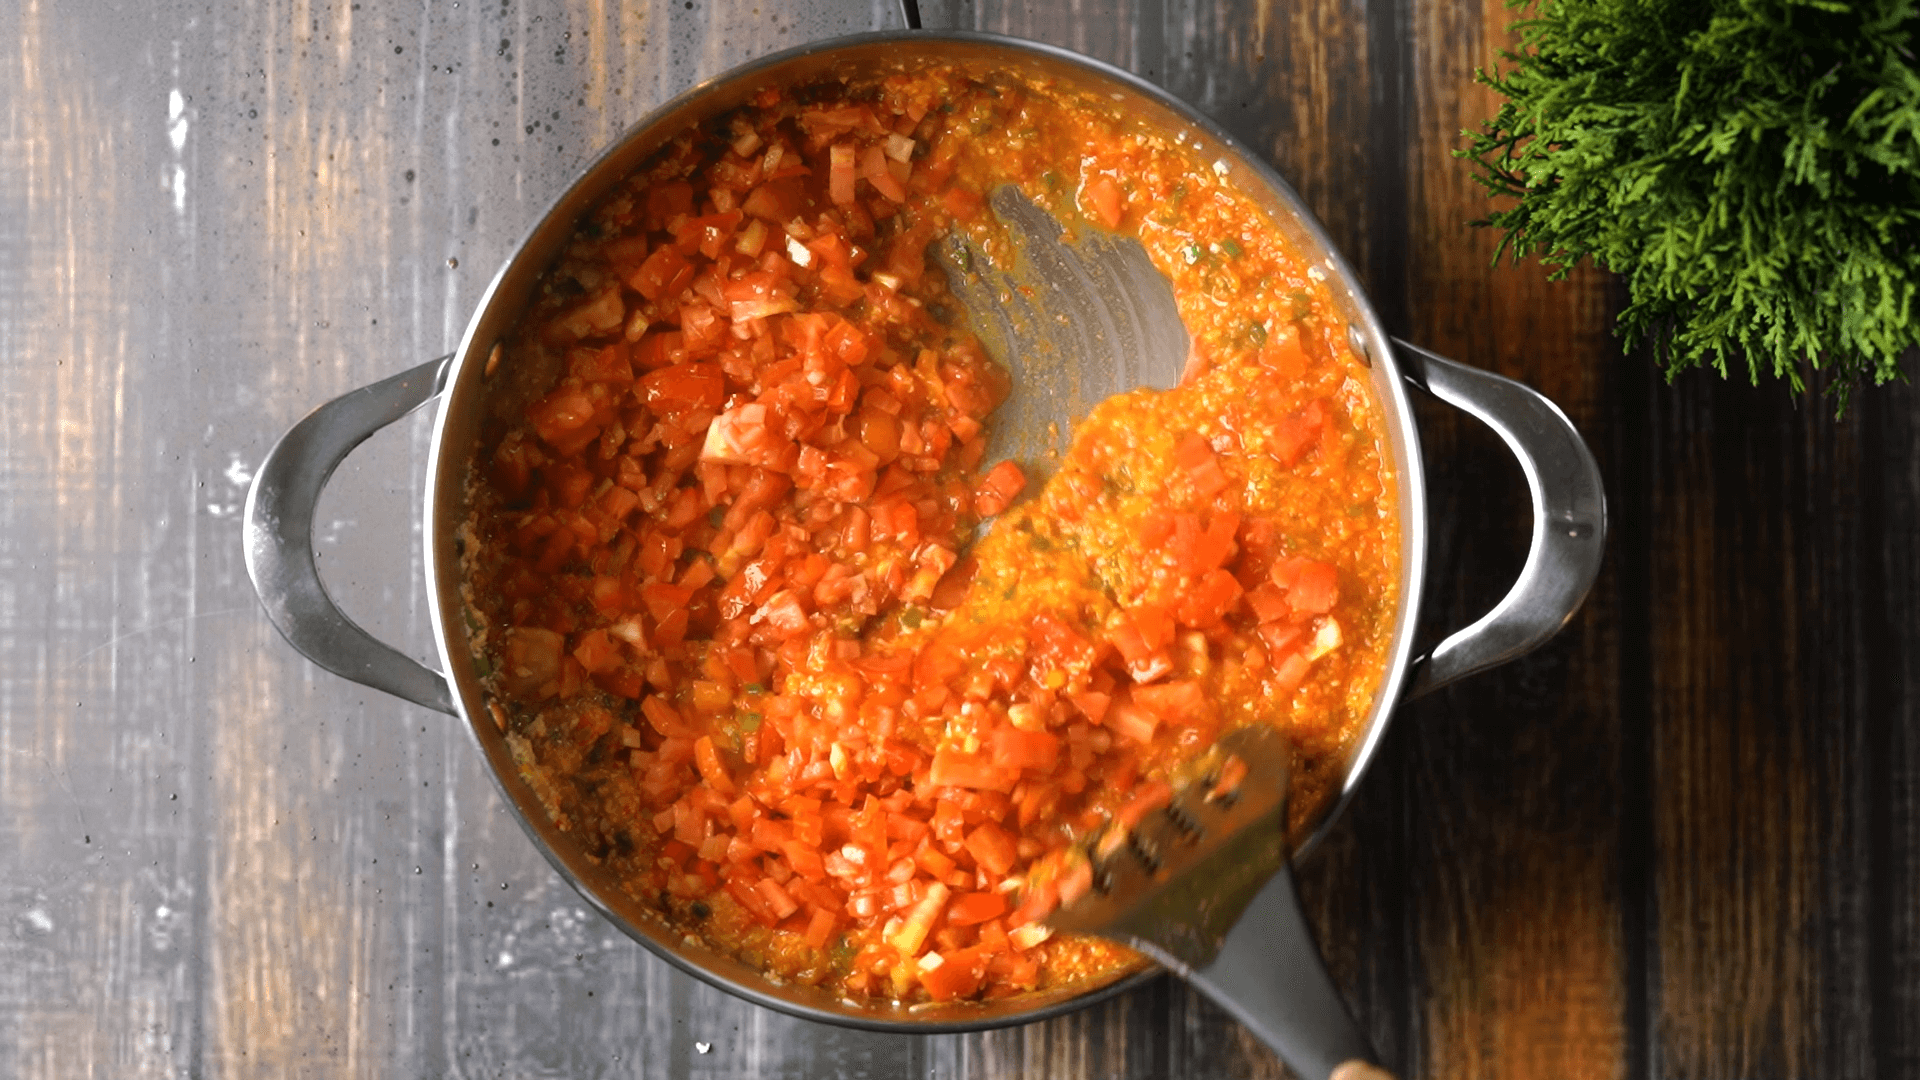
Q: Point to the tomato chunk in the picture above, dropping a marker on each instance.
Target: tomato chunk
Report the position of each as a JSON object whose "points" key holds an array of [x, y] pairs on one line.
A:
{"points": [[956, 768], [1311, 587], [1002, 484], [969, 909], [1101, 196], [1015, 749], [993, 847], [664, 274], [959, 974]]}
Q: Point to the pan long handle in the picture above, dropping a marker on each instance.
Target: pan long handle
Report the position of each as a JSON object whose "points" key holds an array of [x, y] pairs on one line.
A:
{"points": [[1569, 518], [1269, 975], [279, 537]]}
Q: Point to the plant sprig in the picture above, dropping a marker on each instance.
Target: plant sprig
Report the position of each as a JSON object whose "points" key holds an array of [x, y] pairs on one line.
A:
{"points": [[1752, 167]]}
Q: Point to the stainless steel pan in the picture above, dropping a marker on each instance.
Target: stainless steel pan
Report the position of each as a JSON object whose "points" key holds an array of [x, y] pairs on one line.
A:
{"points": [[1116, 335]]}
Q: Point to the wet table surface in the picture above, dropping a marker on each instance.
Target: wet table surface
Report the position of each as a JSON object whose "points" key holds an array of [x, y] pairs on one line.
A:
{"points": [[1681, 841]]}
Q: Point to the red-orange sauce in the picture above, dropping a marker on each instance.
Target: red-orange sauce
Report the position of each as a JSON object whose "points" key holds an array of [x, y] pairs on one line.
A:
{"points": [[734, 623]]}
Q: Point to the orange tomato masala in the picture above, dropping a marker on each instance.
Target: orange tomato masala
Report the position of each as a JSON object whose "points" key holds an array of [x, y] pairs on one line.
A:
{"points": [[735, 619]]}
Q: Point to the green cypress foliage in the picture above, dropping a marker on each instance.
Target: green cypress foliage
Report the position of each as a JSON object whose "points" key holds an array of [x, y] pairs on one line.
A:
{"points": [[1752, 167]]}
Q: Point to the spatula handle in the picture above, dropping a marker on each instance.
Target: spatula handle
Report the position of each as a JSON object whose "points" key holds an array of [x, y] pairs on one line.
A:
{"points": [[1270, 977]]}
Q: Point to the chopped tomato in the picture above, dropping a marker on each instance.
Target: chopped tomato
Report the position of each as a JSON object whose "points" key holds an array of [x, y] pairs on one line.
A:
{"points": [[1015, 749], [1061, 643], [955, 768], [1132, 721], [1215, 594], [1291, 672], [1282, 353], [565, 419], [1202, 466], [684, 385], [595, 652], [609, 364], [1298, 433], [1002, 484], [779, 902], [1176, 701], [820, 926], [752, 900], [959, 974], [1100, 197], [873, 169], [1311, 587], [776, 201], [1268, 603], [667, 201], [711, 769], [993, 847], [664, 274], [840, 177], [968, 909]]}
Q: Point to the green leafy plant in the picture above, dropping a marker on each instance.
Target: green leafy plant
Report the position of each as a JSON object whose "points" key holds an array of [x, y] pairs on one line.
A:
{"points": [[1752, 167]]}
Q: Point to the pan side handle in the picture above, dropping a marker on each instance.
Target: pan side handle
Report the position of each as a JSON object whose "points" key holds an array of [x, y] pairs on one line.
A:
{"points": [[1569, 518], [278, 537]]}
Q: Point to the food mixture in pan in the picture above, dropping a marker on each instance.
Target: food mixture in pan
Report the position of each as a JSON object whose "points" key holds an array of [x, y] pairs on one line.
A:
{"points": [[738, 626]]}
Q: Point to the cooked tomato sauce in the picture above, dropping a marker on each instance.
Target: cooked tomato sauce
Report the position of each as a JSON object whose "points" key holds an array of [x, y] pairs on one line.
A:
{"points": [[735, 622]]}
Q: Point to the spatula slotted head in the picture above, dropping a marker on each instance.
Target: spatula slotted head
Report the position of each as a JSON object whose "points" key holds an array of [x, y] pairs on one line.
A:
{"points": [[1176, 882]]}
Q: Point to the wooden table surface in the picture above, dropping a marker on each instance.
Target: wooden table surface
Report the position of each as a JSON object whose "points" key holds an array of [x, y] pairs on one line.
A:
{"points": [[1681, 841]]}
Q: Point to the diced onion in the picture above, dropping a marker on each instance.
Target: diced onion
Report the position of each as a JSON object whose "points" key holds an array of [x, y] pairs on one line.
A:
{"points": [[1026, 937], [1325, 639], [752, 238], [1026, 716]]}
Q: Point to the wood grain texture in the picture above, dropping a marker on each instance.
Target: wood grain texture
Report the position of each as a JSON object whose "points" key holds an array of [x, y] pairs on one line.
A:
{"points": [[1517, 843], [1889, 801], [1680, 842], [1763, 833]]}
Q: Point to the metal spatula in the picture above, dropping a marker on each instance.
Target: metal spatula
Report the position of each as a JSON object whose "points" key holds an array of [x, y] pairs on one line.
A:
{"points": [[1202, 886]]}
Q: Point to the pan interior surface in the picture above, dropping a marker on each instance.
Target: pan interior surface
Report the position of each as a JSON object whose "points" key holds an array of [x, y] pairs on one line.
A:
{"points": [[1077, 316]]}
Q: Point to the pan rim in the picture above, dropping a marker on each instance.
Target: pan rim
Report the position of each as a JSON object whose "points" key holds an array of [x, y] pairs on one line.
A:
{"points": [[446, 481]]}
